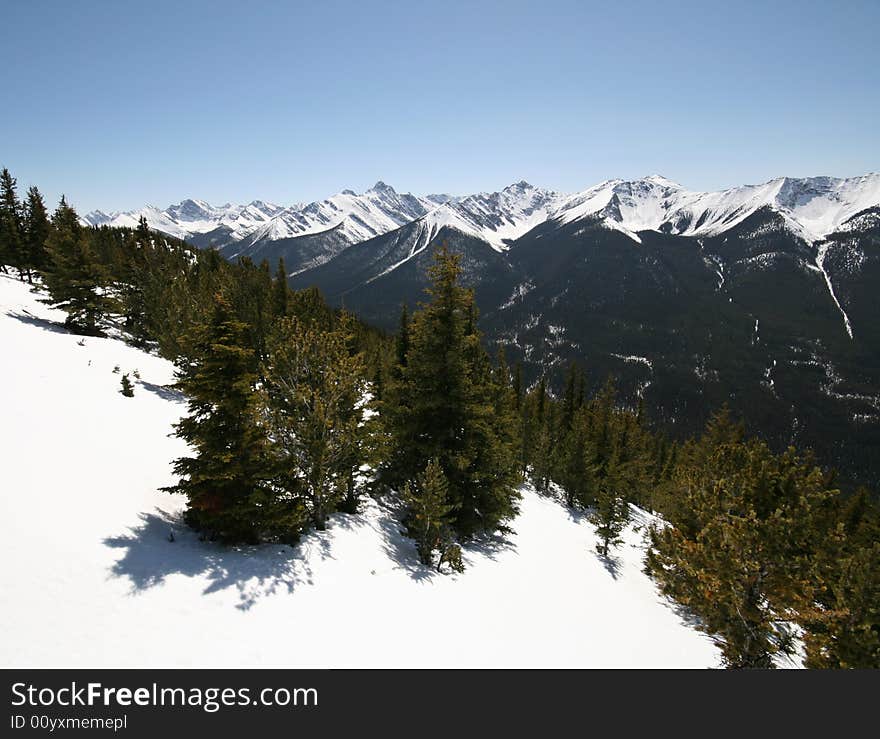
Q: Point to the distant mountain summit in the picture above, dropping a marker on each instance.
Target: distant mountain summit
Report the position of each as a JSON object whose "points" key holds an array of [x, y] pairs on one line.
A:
{"points": [[813, 207]]}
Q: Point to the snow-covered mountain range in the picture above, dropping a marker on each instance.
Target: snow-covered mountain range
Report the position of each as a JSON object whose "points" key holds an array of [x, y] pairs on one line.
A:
{"points": [[812, 207]]}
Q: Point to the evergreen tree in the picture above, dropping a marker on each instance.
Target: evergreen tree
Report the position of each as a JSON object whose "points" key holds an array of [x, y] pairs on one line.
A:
{"points": [[428, 518], [623, 477], [845, 631], [226, 482], [446, 409], [518, 392], [11, 240], [251, 296], [313, 392], [576, 472], [36, 232], [842, 626], [611, 512], [544, 455], [280, 290], [133, 285], [738, 548], [533, 419], [74, 277], [401, 345], [127, 388]]}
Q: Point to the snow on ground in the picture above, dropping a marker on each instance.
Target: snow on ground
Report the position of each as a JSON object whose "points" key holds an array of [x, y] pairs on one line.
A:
{"points": [[91, 579]]}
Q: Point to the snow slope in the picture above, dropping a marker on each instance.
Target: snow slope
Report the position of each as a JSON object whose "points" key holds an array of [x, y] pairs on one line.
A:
{"points": [[91, 579]]}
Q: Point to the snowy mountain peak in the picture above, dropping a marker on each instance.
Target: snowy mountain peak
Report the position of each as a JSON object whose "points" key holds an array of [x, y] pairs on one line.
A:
{"points": [[520, 186], [498, 217], [659, 179], [382, 187], [813, 207], [96, 218]]}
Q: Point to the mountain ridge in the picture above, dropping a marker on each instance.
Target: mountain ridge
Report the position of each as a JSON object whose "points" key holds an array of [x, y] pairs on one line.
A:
{"points": [[814, 207]]}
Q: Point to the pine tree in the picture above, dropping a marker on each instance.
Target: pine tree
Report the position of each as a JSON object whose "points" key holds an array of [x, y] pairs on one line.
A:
{"points": [[518, 392], [11, 240], [842, 626], [36, 232], [313, 391], [576, 472], [446, 409], [401, 344], [533, 419], [127, 388], [738, 550], [623, 477], [428, 518], [611, 512], [74, 277], [133, 283], [251, 297], [226, 482], [569, 399], [543, 451], [280, 290]]}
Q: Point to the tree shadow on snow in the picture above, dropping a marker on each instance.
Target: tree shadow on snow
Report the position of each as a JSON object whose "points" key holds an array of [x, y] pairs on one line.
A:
{"points": [[614, 565], [398, 547], [491, 546], [164, 392], [401, 550], [151, 557], [42, 323]]}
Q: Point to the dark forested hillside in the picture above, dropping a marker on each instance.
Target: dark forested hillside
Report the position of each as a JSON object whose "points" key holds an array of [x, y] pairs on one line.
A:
{"points": [[757, 317]]}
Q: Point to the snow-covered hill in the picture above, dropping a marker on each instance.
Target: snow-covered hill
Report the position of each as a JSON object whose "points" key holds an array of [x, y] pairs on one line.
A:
{"points": [[92, 578]]}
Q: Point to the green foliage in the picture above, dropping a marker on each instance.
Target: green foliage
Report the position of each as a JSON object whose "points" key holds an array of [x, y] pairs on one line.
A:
{"points": [[280, 290], [11, 227], [444, 403], [842, 630], [429, 516], [226, 481], [76, 280], [313, 392], [739, 550], [127, 387]]}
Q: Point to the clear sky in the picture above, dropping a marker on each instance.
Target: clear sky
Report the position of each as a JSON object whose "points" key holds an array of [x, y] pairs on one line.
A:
{"points": [[124, 103]]}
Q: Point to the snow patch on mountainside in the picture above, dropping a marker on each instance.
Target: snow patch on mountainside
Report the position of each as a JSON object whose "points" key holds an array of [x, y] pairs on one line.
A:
{"points": [[822, 252]]}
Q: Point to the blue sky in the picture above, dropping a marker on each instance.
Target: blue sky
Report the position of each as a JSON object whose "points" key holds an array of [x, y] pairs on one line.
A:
{"points": [[124, 103]]}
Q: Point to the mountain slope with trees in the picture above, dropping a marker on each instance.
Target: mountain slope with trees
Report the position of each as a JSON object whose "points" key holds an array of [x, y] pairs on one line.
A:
{"points": [[296, 413]]}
